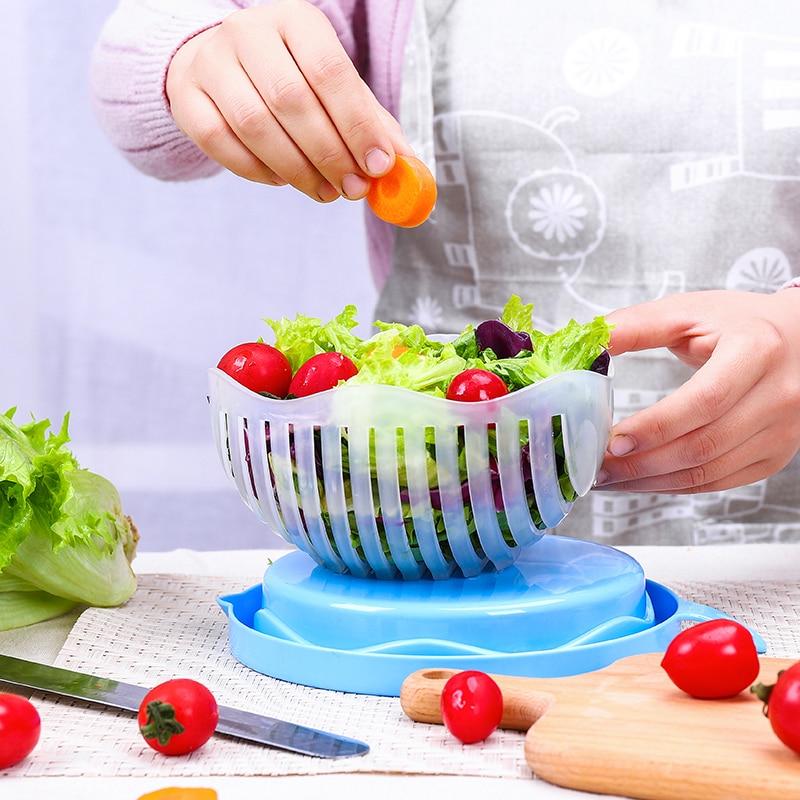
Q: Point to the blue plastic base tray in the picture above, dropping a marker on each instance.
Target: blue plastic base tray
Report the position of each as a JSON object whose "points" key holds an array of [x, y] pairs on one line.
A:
{"points": [[565, 607]]}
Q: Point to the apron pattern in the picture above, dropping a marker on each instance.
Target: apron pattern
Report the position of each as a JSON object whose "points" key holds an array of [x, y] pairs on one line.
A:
{"points": [[766, 142], [763, 269], [601, 63], [555, 214]]}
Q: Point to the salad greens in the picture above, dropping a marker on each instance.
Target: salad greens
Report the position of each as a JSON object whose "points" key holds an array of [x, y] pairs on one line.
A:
{"points": [[63, 537], [405, 356], [302, 337]]}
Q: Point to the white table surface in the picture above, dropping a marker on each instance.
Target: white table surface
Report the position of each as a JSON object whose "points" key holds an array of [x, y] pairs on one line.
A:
{"points": [[774, 562]]}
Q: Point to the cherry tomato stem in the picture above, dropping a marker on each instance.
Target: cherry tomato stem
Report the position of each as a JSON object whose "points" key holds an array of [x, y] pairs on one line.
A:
{"points": [[782, 705], [178, 717]]}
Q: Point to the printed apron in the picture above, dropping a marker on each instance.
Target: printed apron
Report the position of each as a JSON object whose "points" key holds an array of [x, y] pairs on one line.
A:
{"points": [[594, 155]]}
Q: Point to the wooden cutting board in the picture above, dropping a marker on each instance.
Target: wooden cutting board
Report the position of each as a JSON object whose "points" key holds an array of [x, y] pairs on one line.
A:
{"points": [[627, 730]]}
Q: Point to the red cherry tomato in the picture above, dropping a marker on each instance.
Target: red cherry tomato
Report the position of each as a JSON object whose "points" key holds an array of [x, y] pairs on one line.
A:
{"points": [[20, 727], [472, 706], [178, 717], [783, 706], [321, 372], [473, 385], [712, 660], [259, 367]]}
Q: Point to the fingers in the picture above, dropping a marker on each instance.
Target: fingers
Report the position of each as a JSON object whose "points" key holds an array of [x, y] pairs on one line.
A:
{"points": [[285, 88], [312, 89], [697, 447], [199, 118], [660, 323], [350, 105], [399, 142], [257, 129], [731, 371], [279, 79], [752, 474], [297, 110], [713, 473]]}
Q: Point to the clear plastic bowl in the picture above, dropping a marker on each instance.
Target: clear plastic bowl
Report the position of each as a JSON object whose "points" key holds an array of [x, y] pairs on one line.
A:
{"points": [[386, 482]]}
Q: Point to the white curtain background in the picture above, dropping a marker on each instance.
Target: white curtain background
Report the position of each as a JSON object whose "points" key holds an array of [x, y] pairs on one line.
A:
{"points": [[117, 292]]}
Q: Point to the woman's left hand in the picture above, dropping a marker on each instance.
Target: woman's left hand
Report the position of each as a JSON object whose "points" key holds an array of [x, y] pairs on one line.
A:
{"points": [[737, 419]]}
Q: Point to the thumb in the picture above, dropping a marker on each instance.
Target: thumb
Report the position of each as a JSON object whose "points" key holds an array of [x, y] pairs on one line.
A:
{"points": [[398, 138], [660, 323]]}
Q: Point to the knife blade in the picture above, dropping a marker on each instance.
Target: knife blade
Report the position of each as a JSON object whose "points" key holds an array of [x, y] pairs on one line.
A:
{"points": [[232, 721]]}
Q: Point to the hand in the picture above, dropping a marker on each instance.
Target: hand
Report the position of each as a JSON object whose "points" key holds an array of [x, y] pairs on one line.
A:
{"points": [[272, 96], [737, 419]]}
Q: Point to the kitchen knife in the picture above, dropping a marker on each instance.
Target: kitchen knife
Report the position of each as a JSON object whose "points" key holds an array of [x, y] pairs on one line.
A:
{"points": [[232, 722]]}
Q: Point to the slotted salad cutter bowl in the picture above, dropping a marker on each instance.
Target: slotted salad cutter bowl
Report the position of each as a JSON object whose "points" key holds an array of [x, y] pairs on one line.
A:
{"points": [[386, 482]]}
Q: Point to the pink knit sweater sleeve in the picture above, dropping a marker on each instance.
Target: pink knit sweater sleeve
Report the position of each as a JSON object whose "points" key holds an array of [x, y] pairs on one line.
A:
{"points": [[129, 69]]}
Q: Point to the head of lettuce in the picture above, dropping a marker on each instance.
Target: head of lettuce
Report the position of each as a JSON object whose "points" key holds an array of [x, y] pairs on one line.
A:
{"points": [[64, 540]]}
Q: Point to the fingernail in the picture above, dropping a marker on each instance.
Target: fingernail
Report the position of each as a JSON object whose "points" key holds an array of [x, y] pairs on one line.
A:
{"points": [[354, 186], [377, 161], [621, 445], [327, 192], [602, 477]]}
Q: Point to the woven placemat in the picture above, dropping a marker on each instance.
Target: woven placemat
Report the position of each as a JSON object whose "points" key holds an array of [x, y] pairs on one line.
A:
{"points": [[173, 627]]}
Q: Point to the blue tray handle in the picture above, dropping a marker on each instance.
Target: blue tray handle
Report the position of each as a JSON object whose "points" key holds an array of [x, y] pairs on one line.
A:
{"points": [[697, 612]]}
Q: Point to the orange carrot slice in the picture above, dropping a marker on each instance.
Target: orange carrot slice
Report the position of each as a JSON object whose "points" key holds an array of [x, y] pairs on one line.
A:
{"points": [[175, 793], [404, 196]]}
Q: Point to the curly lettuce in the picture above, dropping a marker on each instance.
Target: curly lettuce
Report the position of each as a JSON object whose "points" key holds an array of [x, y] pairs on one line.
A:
{"points": [[575, 346], [64, 540], [390, 358], [404, 355], [303, 337]]}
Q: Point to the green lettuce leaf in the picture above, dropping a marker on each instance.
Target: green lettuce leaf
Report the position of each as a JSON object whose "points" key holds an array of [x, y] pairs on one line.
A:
{"points": [[22, 603], [575, 346], [303, 337], [520, 371], [83, 555], [32, 469], [518, 315], [410, 336], [63, 536], [466, 343], [385, 362]]}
